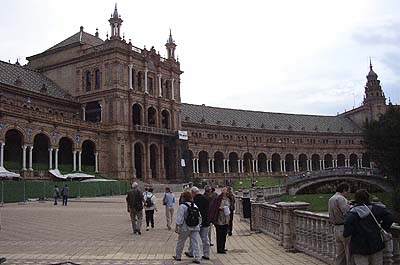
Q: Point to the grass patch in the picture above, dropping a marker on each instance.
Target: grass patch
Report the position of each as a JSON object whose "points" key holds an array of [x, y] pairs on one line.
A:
{"points": [[319, 202], [261, 182]]}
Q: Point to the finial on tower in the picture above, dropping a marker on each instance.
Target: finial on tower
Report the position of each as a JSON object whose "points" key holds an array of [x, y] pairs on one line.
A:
{"points": [[115, 15], [115, 23], [170, 46], [370, 63]]}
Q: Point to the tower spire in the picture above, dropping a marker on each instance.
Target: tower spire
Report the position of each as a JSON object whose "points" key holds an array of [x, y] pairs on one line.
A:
{"points": [[171, 46], [370, 64], [115, 23]]}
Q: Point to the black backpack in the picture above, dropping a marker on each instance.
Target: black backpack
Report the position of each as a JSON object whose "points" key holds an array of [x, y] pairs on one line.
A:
{"points": [[193, 215], [148, 201]]}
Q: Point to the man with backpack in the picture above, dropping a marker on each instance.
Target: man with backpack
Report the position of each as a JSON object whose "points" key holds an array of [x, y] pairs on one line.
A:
{"points": [[202, 203], [149, 207], [188, 222], [134, 201]]}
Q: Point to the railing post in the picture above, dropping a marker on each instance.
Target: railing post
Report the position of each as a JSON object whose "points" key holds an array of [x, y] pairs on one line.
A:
{"points": [[289, 228]]}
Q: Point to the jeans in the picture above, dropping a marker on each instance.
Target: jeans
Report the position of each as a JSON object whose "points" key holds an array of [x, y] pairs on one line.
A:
{"points": [[55, 200], [65, 200], [169, 214], [136, 219], [342, 246], [222, 231], [194, 242], [149, 218], [204, 240]]}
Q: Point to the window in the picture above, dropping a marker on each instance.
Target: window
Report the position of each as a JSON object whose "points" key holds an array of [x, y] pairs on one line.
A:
{"points": [[97, 81], [150, 85], [139, 81], [133, 78], [88, 80]]}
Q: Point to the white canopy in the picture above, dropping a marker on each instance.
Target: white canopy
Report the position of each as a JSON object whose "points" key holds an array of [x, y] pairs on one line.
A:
{"points": [[56, 173], [98, 180], [5, 174], [79, 176]]}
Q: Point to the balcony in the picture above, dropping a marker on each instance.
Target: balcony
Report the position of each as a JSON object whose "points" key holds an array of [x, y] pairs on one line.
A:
{"points": [[153, 130]]}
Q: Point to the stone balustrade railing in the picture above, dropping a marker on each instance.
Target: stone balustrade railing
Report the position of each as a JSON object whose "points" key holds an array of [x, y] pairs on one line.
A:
{"points": [[300, 230], [269, 192]]}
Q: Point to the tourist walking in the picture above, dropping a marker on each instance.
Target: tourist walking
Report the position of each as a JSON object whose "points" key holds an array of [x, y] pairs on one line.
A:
{"points": [[219, 215], [338, 206], [56, 194], [134, 201], [202, 203], [232, 209], [210, 195], [65, 194], [169, 202], [149, 207], [188, 220], [364, 224]]}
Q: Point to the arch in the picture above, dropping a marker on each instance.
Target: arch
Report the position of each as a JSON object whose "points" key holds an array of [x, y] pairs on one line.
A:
{"points": [[165, 123], [366, 162], [315, 165], [276, 163], [154, 160], [139, 158], [247, 163], [88, 156], [13, 149], [341, 160], [262, 162], [168, 160], [353, 160], [289, 162], [151, 117], [40, 153], [188, 156], [65, 154], [137, 114], [218, 162], [233, 162], [328, 160], [203, 162], [302, 162]]}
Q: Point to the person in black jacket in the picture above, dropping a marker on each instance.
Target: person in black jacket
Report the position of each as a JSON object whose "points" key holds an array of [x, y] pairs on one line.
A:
{"points": [[203, 205], [366, 243]]}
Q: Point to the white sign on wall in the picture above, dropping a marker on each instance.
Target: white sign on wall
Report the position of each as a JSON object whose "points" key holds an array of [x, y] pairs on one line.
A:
{"points": [[182, 135]]}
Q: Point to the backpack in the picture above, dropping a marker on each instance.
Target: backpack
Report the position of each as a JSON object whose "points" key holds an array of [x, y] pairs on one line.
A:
{"points": [[149, 202], [193, 215]]}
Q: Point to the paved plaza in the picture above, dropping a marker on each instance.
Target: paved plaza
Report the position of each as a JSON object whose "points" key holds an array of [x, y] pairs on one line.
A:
{"points": [[98, 231]]}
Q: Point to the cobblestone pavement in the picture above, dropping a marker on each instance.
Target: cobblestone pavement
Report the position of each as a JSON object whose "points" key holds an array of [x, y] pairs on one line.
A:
{"points": [[98, 231]]}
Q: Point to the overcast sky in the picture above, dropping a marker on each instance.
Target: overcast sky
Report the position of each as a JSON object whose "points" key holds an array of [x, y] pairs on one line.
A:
{"points": [[308, 56]]}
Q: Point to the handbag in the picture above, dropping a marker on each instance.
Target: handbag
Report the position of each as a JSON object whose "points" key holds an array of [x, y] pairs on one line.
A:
{"points": [[385, 236], [164, 200]]}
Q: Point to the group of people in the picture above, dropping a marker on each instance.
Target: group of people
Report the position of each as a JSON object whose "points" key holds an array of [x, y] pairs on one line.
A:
{"points": [[196, 213], [359, 227], [64, 194]]}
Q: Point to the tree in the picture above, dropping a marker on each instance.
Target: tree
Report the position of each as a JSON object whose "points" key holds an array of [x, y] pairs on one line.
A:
{"points": [[382, 141]]}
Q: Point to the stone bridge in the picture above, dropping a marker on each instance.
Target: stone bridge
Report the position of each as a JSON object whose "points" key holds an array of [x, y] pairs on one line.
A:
{"points": [[298, 183]]}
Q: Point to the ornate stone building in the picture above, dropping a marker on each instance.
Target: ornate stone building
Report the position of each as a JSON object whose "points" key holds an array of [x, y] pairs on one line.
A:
{"points": [[106, 106]]}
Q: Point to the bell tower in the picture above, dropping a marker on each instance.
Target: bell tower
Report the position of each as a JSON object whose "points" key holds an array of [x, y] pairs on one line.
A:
{"points": [[115, 23], [374, 98], [170, 47]]}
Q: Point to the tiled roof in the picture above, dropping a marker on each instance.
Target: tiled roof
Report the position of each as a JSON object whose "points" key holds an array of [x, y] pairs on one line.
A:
{"points": [[266, 120], [80, 37], [28, 79]]}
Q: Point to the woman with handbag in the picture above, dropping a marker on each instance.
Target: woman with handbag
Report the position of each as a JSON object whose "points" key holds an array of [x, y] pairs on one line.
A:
{"points": [[169, 202], [366, 224]]}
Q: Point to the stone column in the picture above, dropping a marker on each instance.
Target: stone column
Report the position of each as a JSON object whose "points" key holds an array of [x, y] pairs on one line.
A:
{"points": [[145, 82], [159, 86], [227, 166], [51, 158], [294, 165], [79, 160], [224, 165], [74, 160], [288, 221], [370, 164], [172, 89], [56, 159], [130, 76], [96, 162], [298, 165], [198, 166], [320, 164], [238, 162], [323, 164], [84, 112], [24, 157], [194, 165], [256, 168], [209, 165], [30, 157], [2, 155], [267, 162], [212, 166], [242, 165]]}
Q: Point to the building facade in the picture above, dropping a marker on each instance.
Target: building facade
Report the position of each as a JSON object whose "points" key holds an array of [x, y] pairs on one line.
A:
{"points": [[108, 107]]}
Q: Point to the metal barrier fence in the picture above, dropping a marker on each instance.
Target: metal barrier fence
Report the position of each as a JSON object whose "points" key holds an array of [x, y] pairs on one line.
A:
{"points": [[21, 191]]}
